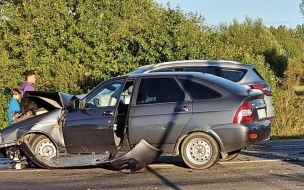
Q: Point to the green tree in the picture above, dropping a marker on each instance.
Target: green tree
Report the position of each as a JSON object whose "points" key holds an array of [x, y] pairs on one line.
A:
{"points": [[75, 44], [302, 7], [72, 44]]}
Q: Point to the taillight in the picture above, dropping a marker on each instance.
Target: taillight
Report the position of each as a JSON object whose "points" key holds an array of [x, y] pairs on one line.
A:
{"points": [[253, 136], [264, 88], [243, 114]]}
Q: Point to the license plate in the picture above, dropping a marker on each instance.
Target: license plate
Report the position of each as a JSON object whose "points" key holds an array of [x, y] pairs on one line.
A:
{"points": [[261, 113]]}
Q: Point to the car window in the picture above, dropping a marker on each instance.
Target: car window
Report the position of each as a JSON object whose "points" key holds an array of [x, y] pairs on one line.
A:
{"points": [[233, 75], [209, 70], [159, 90], [106, 95], [198, 91]]}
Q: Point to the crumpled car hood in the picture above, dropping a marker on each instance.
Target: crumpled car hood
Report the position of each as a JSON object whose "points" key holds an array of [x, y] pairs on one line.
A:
{"points": [[32, 101], [56, 99]]}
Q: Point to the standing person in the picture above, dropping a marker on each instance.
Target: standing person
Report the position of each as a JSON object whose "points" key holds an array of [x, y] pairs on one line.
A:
{"points": [[14, 106], [30, 80]]}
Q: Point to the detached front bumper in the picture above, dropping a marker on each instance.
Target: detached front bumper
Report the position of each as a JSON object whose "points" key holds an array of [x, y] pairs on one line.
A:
{"points": [[237, 136], [139, 157]]}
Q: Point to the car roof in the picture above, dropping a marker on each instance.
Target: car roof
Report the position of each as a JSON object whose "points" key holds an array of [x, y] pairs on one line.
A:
{"points": [[205, 76], [222, 63], [229, 85], [160, 74]]}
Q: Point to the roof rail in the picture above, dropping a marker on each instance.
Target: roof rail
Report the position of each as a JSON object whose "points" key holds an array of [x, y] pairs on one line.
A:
{"points": [[198, 61]]}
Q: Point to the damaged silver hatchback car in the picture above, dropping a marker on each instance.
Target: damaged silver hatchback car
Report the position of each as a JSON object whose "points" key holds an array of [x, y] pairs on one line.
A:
{"points": [[128, 121]]}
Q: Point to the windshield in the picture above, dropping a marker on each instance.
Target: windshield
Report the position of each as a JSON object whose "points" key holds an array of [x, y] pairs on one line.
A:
{"points": [[105, 95]]}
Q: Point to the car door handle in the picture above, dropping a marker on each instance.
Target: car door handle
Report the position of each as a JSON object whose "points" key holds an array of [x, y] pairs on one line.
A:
{"points": [[108, 113], [181, 109]]}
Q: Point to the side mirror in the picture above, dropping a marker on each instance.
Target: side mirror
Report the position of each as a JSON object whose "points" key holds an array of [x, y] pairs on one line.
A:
{"points": [[76, 104]]}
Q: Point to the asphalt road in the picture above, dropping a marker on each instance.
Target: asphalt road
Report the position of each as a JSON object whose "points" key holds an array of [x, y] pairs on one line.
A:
{"points": [[275, 164]]}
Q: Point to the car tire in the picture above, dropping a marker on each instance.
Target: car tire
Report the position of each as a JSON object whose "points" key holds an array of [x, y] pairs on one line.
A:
{"points": [[43, 146], [200, 151]]}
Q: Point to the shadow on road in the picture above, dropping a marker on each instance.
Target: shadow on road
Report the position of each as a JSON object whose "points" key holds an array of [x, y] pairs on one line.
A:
{"points": [[163, 179], [289, 150]]}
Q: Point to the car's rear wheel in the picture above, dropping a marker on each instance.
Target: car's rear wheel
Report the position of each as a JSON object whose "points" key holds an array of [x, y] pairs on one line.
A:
{"points": [[43, 146], [200, 151]]}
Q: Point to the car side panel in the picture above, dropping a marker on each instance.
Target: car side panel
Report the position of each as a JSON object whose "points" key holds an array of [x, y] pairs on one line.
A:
{"points": [[158, 124]]}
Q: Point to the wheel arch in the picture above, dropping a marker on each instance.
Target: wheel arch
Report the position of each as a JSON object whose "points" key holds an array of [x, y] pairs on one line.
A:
{"points": [[31, 134], [178, 145]]}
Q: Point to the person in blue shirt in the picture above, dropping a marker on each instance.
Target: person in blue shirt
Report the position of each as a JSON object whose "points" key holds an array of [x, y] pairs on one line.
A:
{"points": [[14, 106]]}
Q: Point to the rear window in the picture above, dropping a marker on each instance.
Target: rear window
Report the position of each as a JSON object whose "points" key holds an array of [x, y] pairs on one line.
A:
{"points": [[233, 75], [231, 86]]}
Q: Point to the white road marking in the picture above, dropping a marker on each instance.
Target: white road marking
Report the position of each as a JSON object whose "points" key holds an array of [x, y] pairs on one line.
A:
{"points": [[287, 145], [23, 170], [250, 161], [162, 165], [228, 162]]}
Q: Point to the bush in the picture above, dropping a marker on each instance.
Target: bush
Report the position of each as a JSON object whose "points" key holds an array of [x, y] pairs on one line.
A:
{"points": [[289, 107]]}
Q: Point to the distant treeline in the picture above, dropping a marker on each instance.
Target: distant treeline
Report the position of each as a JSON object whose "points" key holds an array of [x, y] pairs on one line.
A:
{"points": [[74, 44]]}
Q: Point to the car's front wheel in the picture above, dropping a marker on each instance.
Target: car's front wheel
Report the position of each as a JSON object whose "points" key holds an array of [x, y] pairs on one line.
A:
{"points": [[200, 151], [43, 146]]}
